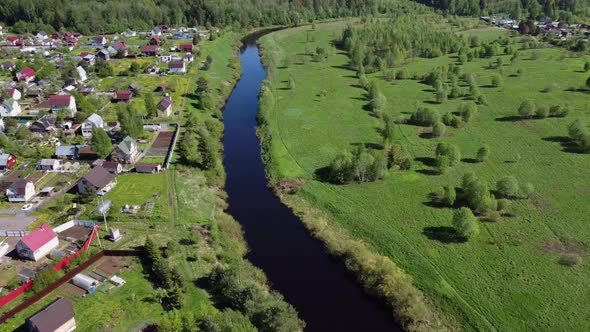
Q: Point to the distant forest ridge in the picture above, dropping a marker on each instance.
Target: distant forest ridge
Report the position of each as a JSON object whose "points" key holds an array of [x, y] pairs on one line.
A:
{"points": [[98, 16], [104, 16]]}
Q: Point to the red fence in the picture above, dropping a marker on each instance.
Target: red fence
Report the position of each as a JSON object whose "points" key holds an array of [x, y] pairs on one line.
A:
{"points": [[60, 265], [32, 300]]}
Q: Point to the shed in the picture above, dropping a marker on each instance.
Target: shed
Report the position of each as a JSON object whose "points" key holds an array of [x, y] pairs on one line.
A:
{"points": [[85, 282], [58, 316], [26, 275], [148, 168]]}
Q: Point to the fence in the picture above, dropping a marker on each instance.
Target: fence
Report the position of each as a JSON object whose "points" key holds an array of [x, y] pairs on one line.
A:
{"points": [[32, 300], [13, 233], [73, 223], [48, 200], [60, 265], [172, 146]]}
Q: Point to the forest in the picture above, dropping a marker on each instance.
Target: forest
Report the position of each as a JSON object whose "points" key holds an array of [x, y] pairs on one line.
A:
{"points": [[112, 16]]}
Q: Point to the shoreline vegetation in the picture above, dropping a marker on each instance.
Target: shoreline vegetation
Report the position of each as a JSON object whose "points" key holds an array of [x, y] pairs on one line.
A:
{"points": [[378, 274]]}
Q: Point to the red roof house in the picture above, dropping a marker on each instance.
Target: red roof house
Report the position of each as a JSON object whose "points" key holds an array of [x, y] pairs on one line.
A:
{"points": [[155, 40], [26, 75], [38, 243], [149, 50], [186, 47]]}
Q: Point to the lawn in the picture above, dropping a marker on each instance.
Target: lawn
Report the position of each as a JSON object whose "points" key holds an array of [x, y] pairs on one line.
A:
{"points": [[508, 278], [140, 189]]}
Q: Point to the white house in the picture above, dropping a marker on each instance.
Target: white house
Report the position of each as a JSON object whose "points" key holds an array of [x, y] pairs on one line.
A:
{"points": [[63, 102], [98, 41], [2, 125], [21, 191], [177, 67], [50, 164], [10, 107], [13, 93], [82, 75], [92, 121], [38, 243]]}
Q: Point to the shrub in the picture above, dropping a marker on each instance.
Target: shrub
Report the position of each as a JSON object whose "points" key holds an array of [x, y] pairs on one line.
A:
{"points": [[527, 109], [569, 260], [467, 110], [483, 153], [528, 189], [449, 196], [424, 116], [441, 96], [542, 112], [503, 204], [558, 111], [439, 129], [507, 186], [494, 216], [519, 72], [496, 80], [465, 223]]}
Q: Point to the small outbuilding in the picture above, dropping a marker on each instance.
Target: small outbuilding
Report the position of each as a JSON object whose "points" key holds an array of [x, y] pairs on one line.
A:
{"points": [[85, 282], [58, 316], [148, 168]]}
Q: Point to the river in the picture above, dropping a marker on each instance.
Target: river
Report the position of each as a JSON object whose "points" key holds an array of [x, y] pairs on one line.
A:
{"points": [[317, 285]]}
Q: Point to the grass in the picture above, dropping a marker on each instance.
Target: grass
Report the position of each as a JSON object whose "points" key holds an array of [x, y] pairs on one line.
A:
{"points": [[501, 280], [139, 189]]}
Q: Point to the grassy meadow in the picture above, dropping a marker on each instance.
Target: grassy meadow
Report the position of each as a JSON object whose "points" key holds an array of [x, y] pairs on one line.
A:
{"points": [[509, 276]]}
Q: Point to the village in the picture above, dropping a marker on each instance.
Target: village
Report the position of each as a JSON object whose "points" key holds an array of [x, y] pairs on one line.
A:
{"points": [[94, 119], [546, 27]]}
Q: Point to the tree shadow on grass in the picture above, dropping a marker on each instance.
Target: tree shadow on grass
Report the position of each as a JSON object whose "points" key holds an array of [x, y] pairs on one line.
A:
{"points": [[443, 234], [322, 174], [426, 135], [470, 160], [427, 171], [343, 67], [510, 118], [566, 143], [426, 161]]}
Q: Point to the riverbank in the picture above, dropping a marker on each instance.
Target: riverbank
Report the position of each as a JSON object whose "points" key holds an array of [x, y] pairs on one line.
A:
{"points": [[377, 273]]}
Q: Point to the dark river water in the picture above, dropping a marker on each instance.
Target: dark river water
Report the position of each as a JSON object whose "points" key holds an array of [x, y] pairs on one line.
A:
{"points": [[317, 285]]}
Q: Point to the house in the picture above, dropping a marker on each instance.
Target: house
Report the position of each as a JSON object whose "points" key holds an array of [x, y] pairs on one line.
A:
{"points": [[165, 58], [87, 90], [98, 41], [58, 316], [15, 41], [149, 50], [113, 167], [148, 168], [90, 59], [187, 48], [126, 152], [41, 36], [165, 107], [13, 93], [87, 152], [10, 107], [7, 160], [25, 75], [49, 164], [8, 66], [156, 31], [38, 243], [2, 126], [43, 126], [63, 102], [82, 75], [98, 180], [25, 275], [155, 40], [94, 120], [130, 33], [177, 67], [69, 152], [21, 191], [103, 55], [189, 57], [161, 88], [124, 96], [119, 46]]}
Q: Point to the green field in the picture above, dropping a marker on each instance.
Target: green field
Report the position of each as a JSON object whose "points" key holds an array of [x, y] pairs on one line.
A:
{"points": [[509, 277]]}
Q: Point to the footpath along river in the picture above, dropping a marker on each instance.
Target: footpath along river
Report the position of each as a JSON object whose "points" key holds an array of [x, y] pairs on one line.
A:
{"points": [[326, 296]]}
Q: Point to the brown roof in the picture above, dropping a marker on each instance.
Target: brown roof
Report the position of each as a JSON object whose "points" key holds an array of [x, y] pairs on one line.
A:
{"points": [[59, 100], [176, 64], [99, 177], [110, 164], [53, 316], [20, 186], [148, 48], [123, 95], [165, 103]]}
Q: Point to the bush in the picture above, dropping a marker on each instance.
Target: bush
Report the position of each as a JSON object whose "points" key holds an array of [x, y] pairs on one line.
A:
{"points": [[541, 112], [449, 196], [467, 110], [527, 109], [465, 223], [569, 260], [497, 80], [559, 111], [483, 153], [507, 186], [439, 129], [424, 116]]}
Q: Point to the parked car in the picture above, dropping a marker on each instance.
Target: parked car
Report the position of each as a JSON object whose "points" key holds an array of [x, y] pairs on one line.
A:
{"points": [[27, 207]]}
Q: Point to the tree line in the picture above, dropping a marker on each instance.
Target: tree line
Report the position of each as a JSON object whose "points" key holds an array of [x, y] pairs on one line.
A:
{"points": [[98, 16]]}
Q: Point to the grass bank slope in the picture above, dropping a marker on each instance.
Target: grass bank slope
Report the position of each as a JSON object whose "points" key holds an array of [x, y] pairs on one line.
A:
{"points": [[509, 277]]}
